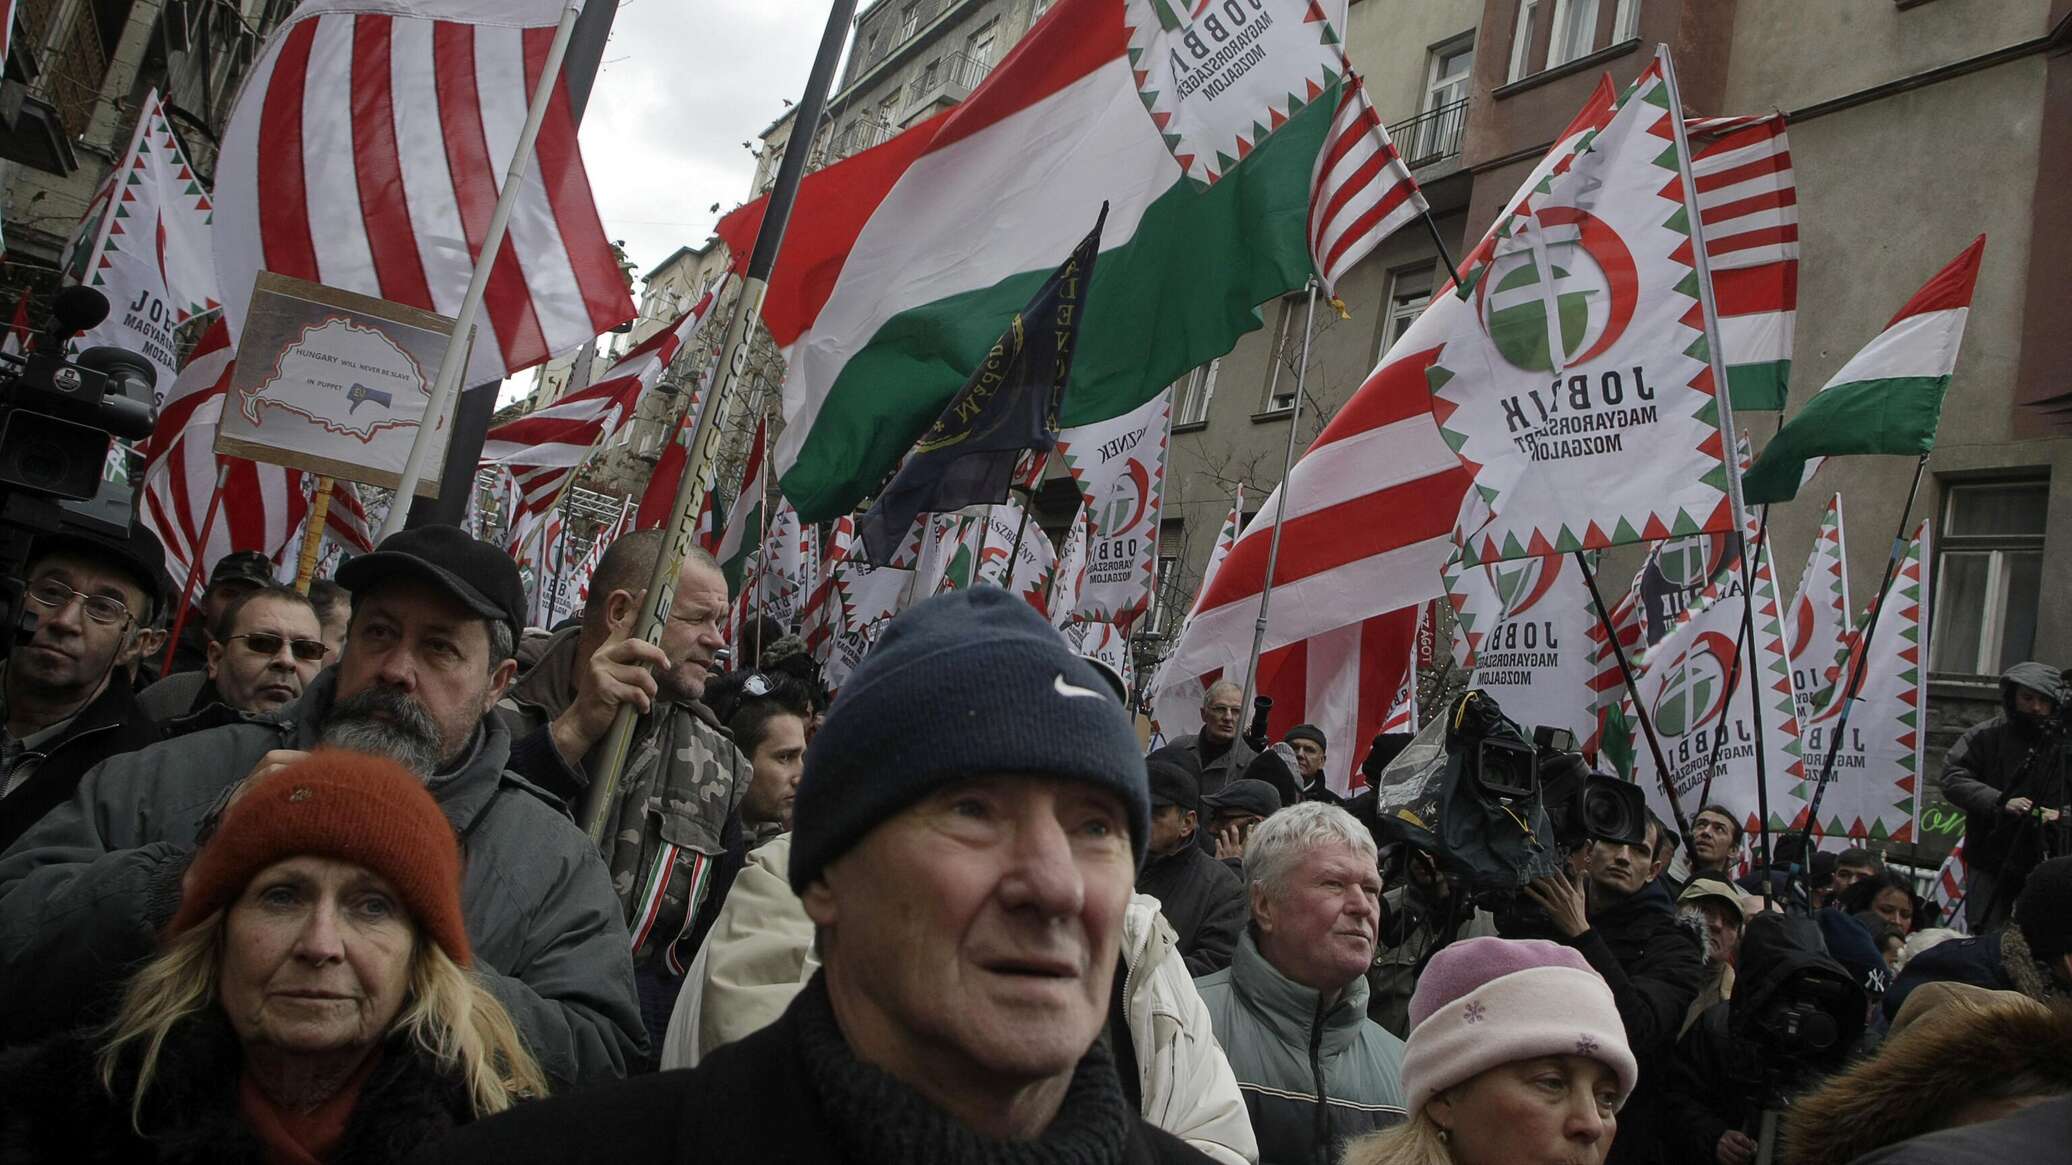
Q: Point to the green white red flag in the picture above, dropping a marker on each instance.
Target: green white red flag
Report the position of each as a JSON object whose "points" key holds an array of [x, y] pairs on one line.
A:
{"points": [[744, 529], [1817, 627], [1888, 398], [1583, 401], [1119, 466], [1874, 790], [1707, 729], [145, 244], [905, 262]]}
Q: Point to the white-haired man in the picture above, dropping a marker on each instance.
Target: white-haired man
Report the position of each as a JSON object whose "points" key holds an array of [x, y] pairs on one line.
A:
{"points": [[1217, 754], [1291, 1009]]}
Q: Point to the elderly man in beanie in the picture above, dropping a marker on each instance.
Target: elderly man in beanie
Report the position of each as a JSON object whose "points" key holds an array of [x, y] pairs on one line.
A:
{"points": [[435, 615], [971, 819], [684, 779], [1310, 747], [1291, 1009], [2032, 956], [1200, 896], [90, 600], [2012, 789]]}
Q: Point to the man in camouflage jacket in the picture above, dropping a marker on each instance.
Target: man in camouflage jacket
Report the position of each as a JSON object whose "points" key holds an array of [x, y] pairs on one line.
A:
{"points": [[684, 778]]}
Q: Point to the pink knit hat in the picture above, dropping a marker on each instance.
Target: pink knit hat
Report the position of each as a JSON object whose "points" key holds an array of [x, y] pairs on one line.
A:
{"points": [[1482, 1002]]}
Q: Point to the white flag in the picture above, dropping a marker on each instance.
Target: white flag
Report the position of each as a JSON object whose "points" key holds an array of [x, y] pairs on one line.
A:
{"points": [[1119, 466], [1816, 627], [1523, 629]]}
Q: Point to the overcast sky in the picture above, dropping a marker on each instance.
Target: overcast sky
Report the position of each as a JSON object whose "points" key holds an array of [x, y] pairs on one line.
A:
{"points": [[684, 83]]}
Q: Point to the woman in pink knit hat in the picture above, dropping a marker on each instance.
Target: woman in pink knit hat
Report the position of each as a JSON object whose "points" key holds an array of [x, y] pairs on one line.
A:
{"points": [[1516, 1056]]}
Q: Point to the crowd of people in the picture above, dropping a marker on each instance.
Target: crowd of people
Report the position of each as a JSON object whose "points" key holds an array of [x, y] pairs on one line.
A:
{"points": [[323, 892]]}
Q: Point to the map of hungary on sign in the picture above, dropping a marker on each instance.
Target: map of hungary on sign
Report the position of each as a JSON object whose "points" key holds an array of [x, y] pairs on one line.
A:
{"points": [[345, 377], [1217, 76]]}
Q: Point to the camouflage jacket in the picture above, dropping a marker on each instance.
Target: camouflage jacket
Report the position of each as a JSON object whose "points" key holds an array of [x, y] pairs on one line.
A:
{"points": [[683, 783]]}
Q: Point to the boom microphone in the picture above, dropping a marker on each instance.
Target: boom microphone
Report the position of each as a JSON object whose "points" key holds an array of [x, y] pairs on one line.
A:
{"points": [[72, 311]]}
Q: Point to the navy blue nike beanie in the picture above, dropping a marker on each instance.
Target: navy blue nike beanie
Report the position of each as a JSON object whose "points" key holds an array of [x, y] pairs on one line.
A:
{"points": [[968, 684]]}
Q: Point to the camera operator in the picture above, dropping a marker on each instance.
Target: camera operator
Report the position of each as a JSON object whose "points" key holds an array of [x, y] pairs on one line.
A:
{"points": [[1423, 906], [2008, 775], [1732, 1065], [1625, 925], [88, 601]]}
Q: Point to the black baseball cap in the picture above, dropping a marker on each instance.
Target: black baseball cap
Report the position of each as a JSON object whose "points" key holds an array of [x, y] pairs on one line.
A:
{"points": [[1245, 795], [246, 566], [482, 577], [1172, 784]]}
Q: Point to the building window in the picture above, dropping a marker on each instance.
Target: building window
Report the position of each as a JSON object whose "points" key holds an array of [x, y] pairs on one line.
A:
{"points": [[1161, 591], [1989, 575], [979, 46], [1285, 356], [1626, 21], [1452, 71], [1193, 392], [1410, 290], [1575, 31], [1521, 39], [931, 75], [909, 21]]}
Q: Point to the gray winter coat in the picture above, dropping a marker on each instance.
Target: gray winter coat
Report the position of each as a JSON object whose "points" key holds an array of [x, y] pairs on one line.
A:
{"points": [[1313, 1077], [84, 893]]}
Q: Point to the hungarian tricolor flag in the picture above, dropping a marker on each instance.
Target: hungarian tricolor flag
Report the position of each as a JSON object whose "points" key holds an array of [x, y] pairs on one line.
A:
{"points": [[1887, 398], [1198, 124]]}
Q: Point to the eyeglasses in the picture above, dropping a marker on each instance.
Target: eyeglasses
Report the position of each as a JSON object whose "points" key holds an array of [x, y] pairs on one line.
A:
{"points": [[50, 593], [262, 643]]}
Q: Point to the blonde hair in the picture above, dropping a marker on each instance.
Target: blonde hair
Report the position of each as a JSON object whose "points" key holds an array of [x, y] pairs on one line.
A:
{"points": [[1416, 1141], [448, 1014]]}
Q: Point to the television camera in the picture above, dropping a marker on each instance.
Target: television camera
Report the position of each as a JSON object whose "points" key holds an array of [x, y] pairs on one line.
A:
{"points": [[59, 418]]}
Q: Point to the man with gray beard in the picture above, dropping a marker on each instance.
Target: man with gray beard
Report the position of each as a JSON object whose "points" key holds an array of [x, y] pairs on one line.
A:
{"points": [[428, 654]]}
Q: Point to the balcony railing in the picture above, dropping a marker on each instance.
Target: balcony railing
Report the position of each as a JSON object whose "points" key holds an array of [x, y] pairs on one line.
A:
{"points": [[1431, 136], [950, 83]]}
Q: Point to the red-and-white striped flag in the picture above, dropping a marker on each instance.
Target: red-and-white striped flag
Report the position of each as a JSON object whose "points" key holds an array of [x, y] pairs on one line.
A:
{"points": [[1748, 201], [564, 432], [262, 504], [1360, 192], [1341, 681], [345, 521], [365, 152]]}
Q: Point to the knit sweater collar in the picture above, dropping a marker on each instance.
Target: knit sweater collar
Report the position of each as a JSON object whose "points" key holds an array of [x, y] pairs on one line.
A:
{"points": [[876, 1117]]}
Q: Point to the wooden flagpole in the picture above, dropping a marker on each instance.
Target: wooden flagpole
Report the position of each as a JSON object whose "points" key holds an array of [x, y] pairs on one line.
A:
{"points": [[602, 795], [313, 535]]}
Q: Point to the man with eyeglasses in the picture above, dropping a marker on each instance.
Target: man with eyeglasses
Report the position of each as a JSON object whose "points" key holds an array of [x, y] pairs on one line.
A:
{"points": [[263, 650], [684, 779], [1217, 754], [68, 700], [86, 891]]}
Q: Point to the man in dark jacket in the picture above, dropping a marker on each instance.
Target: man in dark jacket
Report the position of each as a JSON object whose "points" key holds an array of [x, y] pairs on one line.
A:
{"points": [[2033, 956], [263, 652], [1219, 753], [435, 613], [967, 892], [1626, 926], [1725, 1065], [234, 576], [2008, 775], [683, 778], [66, 702], [1311, 749], [1199, 895]]}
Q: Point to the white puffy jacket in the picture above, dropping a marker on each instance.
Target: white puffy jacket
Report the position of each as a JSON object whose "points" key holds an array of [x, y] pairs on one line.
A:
{"points": [[758, 955]]}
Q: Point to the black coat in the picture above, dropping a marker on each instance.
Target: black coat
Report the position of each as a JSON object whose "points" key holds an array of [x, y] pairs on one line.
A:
{"points": [[752, 1100], [111, 725], [53, 1108], [1203, 900], [1654, 966], [1992, 763]]}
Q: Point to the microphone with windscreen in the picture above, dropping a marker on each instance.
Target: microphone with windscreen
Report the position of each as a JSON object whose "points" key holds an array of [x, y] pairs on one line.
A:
{"points": [[72, 311]]}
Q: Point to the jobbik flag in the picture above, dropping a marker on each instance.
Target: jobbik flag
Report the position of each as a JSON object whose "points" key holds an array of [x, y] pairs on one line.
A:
{"points": [[144, 243], [1874, 790], [1009, 406], [1816, 626], [865, 597], [1707, 728], [1119, 467], [1584, 403], [1068, 576], [1522, 631]]}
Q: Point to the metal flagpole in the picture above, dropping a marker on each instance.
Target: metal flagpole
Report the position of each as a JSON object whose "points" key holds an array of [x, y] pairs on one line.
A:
{"points": [[762, 550], [201, 547], [1640, 711], [453, 363], [1744, 648], [1863, 651], [1280, 513], [313, 535], [603, 792], [1710, 317]]}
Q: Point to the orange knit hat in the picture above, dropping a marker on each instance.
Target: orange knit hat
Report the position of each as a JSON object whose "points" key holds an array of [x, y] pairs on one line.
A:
{"points": [[343, 805]]}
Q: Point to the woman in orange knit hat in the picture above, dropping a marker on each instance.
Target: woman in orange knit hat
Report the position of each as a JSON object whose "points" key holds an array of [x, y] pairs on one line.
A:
{"points": [[309, 1004]]}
